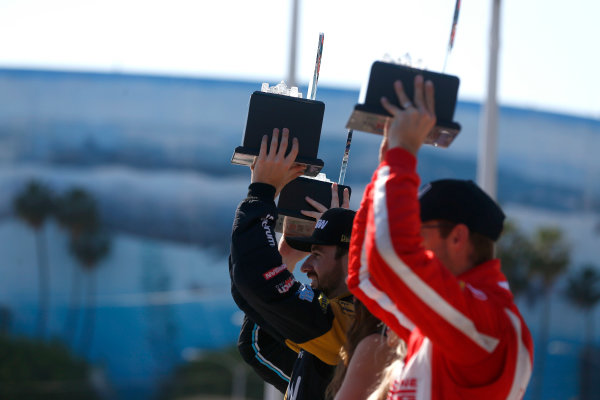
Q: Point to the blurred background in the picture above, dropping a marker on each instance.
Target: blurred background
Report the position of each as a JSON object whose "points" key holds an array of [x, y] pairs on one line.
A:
{"points": [[118, 120]]}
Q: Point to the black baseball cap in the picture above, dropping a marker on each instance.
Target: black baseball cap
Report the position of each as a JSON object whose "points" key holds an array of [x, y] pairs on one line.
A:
{"points": [[462, 201], [332, 229]]}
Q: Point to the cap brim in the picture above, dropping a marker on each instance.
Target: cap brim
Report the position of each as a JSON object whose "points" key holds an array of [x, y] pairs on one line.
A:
{"points": [[303, 243]]}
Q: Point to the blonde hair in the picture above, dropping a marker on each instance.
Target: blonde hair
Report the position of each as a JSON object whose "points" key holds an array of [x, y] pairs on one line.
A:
{"points": [[390, 372], [363, 325]]}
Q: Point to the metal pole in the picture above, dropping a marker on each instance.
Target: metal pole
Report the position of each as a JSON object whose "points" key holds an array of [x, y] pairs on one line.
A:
{"points": [[487, 168], [312, 87], [345, 158], [291, 79]]}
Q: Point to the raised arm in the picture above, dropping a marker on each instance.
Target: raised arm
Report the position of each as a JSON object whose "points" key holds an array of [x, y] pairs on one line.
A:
{"points": [[257, 272], [390, 270]]}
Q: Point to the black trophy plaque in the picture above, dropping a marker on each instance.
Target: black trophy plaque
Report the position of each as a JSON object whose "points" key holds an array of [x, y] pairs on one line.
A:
{"points": [[371, 116], [303, 118], [292, 201]]}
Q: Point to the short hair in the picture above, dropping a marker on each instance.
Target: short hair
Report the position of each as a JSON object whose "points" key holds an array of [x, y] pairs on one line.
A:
{"points": [[483, 247], [341, 251]]}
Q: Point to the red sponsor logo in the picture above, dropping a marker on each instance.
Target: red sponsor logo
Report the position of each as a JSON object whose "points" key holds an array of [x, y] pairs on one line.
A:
{"points": [[403, 390], [274, 272]]}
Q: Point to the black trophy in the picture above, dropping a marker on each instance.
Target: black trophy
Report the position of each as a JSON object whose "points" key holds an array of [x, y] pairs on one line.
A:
{"points": [[292, 197], [283, 107], [371, 116], [269, 110]]}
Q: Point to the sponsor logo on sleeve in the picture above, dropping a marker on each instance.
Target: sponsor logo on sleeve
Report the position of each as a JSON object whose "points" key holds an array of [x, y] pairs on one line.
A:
{"points": [[267, 228], [306, 293], [286, 285], [274, 272]]}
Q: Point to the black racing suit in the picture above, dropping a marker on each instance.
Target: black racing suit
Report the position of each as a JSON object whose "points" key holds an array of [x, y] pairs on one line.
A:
{"points": [[285, 311]]}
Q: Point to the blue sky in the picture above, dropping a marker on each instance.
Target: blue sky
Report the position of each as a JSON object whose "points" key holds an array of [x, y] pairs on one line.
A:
{"points": [[548, 57]]}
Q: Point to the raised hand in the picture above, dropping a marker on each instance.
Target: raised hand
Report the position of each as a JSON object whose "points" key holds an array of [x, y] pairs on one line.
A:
{"points": [[410, 124], [273, 166], [335, 202], [292, 256]]}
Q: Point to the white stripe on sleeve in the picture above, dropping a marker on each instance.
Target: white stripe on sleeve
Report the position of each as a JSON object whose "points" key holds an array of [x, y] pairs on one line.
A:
{"points": [[523, 367], [377, 295], [413, 282]]}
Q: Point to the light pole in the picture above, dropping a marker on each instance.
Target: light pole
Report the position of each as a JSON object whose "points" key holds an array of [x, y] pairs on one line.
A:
{"points": [[487, 168]]}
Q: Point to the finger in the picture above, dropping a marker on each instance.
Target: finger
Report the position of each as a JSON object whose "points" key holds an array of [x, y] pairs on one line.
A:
{"points": [[383, 147], [298, 167], [430, 97], [419, 98], [262, 153], [402, 97], [294, 172], [346, 201], [335, 199], [298, 170], [290, 158], [317, 206], [313, 214], [284, 143], [389, 107], [274, 140]]}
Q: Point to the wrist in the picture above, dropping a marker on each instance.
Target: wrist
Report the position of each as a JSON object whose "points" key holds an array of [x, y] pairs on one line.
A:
{"points": [[262, 190], [399, 156]]}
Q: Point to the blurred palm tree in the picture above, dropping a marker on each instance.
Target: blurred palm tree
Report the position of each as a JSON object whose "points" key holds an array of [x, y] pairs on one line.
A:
{"points": [[583, 291], [76, 211], [89, 247], [550, 259], [515, 251], [34, 204]]}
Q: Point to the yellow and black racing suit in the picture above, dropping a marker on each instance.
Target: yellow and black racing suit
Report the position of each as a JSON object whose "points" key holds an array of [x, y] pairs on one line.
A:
{"points": [[280, 310]]}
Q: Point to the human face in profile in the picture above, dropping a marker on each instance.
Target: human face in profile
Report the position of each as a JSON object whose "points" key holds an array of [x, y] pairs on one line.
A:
{"points": [[326, 272]]}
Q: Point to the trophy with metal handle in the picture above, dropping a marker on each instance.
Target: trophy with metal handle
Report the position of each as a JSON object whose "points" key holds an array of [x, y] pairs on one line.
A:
{"points": [[370, 116], [282, 107]]}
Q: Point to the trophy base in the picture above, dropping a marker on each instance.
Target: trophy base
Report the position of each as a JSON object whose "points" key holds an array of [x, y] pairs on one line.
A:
{"points": [[291, 226], [362, 119], [245, 156]]}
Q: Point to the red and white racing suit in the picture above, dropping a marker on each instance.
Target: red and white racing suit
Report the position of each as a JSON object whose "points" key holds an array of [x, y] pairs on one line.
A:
{"points": [[466, 338]]}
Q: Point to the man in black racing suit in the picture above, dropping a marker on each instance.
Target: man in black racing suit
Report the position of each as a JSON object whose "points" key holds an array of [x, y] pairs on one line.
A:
{"points": [[282, 313]]}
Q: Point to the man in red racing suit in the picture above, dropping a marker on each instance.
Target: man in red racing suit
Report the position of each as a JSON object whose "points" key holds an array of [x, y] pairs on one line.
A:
{"points": [[423, 263]]}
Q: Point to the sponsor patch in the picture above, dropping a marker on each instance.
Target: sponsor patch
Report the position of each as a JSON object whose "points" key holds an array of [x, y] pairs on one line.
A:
{"points": [[404, 390], [346, 307], [321, 224], [285, 286], [267, 228], [305, 293], [478, 294], [426, 188], [323, 302], [274, 272]]}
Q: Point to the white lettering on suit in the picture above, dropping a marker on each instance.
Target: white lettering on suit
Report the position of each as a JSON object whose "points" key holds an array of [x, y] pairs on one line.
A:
{"points": [[267, 228], [321, 224], [293, 389]]}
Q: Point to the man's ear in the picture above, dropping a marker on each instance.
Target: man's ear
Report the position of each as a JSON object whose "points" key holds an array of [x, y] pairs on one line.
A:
{"points": [[459, 234]]}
